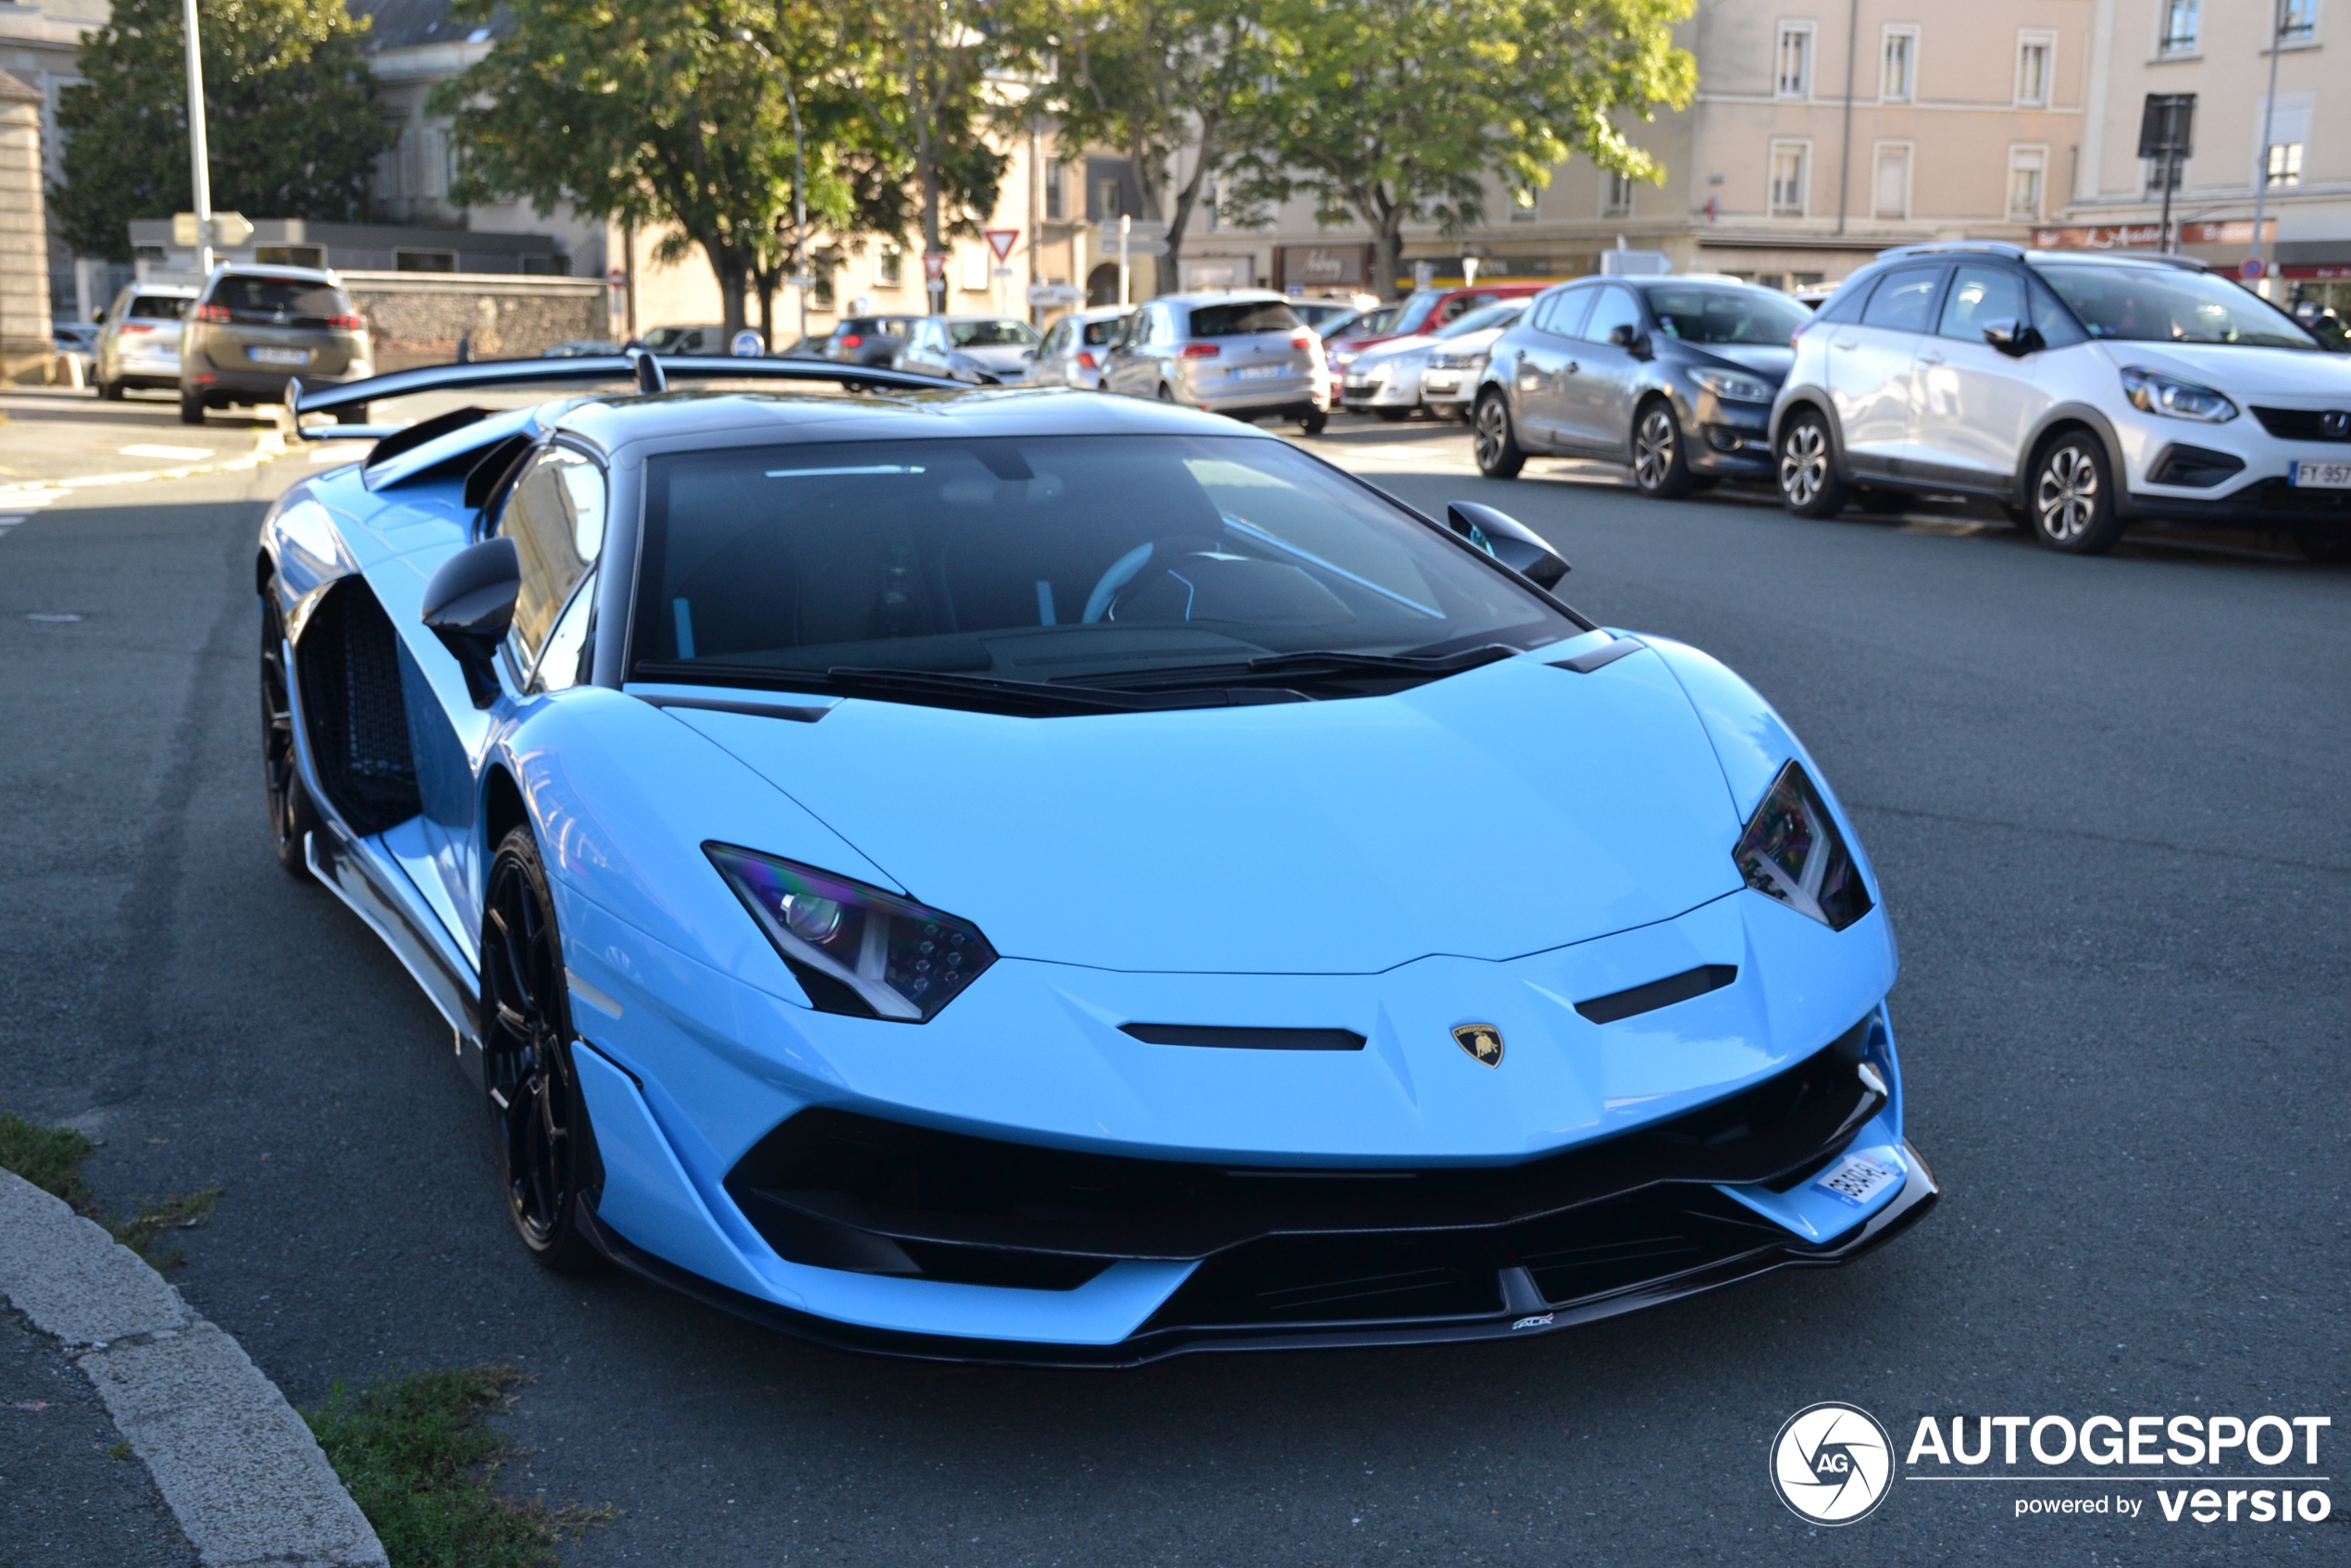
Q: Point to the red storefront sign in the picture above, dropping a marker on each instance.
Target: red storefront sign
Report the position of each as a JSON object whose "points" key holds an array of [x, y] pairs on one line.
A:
{"points": [[2341, 270], [2148, 236]]}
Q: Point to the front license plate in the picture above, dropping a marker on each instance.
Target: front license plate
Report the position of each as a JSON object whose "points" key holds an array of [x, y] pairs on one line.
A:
{"points": [[1439, 383], [1260, 372], [1855, 1179], [2319, 476], [279, 355]]}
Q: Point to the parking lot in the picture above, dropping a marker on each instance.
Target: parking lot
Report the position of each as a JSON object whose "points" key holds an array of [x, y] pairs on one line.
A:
{"points": [[2103, 796]]}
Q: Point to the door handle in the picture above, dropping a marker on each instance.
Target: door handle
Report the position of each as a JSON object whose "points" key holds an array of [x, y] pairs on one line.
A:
{"points": [[1845, 343], [1928, 356], [1572, 368]]}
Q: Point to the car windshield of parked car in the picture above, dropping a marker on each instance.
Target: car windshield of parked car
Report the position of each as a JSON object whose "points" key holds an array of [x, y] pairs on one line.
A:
{"points": [[1243, 317], [1750, 317], [1371, 324], [2160, 305], [281, 300], [1103, 332], [1414, 312], [991, 334], [1051, 559], [158, 307], [1488, 319]]}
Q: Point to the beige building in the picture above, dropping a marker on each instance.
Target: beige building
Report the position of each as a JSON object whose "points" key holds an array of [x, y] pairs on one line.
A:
{"points": [[25, 349]]}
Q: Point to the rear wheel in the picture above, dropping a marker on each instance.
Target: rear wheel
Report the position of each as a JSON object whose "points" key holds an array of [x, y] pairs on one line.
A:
{"points": [[1495, 444], [2073, 496], [290, 817], [1313, 424], [538, 1119], [1809, 485], [110, 390], [1661, 469], [191, 409]]}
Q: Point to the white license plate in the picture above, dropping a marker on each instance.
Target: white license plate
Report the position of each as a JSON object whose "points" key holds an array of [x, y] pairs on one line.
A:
{"points": [[1855, 1179], [1439, 383], [279, 355], [2319, 476], [1260, 372]]}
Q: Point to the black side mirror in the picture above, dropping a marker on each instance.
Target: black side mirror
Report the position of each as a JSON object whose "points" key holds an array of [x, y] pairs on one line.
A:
{"points": [[2015, 339], [1508, 540], [469, 605], [1631, 339]]}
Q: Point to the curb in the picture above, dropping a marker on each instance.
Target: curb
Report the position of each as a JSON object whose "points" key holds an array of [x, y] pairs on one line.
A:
{"points": [[267, 447], [240, 1470]]}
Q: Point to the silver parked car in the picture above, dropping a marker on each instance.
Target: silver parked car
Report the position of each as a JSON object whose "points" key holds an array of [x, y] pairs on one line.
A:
{"points": [[1386, 378], [253, 329], [1448, 375], [1075, 347], [139, 338], [970, 348], [1242, 352]]}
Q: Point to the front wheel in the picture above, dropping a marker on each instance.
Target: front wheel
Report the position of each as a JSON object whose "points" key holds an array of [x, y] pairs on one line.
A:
{"points": [[537, 1119], [1661, 469], [1315, 423], [290, 815], [1809, 485], [2073, 496], [1495, 444]]}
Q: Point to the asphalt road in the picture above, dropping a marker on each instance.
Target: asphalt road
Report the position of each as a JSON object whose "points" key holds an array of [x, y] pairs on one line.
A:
{"points": [[2105, 801]]}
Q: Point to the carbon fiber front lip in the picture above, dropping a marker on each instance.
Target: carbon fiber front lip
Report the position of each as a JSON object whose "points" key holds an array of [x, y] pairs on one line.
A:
{"points": [[1918, 1195]]}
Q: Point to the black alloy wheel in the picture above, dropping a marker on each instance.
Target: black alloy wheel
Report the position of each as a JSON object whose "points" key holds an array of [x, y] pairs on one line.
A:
{"points": [[1495, 444], [291, 817], [1809, 485], [1660, 466], [538, 1121], [2072, 495]]}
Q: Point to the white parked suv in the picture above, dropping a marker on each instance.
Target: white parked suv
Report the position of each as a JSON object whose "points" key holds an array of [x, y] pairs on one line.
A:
{"points": [[2083, 391]]}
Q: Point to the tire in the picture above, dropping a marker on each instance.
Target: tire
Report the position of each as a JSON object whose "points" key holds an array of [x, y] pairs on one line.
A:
{"points": [[1393, 415], [538, 1119], [1500, 456], [191, 409], [110, 392], [1660, 466], [1166, 393], [1809, 485], [291, 816], [1315, 423], [2071, 495]]}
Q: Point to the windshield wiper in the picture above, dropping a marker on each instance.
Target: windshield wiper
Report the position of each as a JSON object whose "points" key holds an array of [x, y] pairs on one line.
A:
{"points": [[1285, 667]]}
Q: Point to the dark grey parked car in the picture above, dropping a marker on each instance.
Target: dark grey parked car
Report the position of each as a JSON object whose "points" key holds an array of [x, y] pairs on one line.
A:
{"points": [[1672, 376], [253, 329]]}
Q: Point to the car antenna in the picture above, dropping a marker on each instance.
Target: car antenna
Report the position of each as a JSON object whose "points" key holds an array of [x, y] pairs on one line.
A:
{"points": [[649, 375]]}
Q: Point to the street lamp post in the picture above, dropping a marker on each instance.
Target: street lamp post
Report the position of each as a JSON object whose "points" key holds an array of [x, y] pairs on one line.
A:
{"points": [[199, 161], [2261, 164]]}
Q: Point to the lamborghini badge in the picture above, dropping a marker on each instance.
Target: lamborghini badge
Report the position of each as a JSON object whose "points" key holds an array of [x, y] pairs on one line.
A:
{"points": [[1481, 1040]]}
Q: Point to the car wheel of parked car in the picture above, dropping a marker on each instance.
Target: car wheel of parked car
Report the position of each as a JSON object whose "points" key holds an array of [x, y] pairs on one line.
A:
{"points": [[191, 410], [2072, 498], [1313, 424], [1661, 470], [110, 390], [1498, 454], [291, 817], [1809, 485], [537, 1119], [1166, 393], [1393, 415]]}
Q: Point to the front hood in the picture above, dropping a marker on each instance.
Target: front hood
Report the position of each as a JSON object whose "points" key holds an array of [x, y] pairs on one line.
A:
{"points": [[1504, 811], [1006, 358], [1762, 359], [1394, 348], [2240, 373]]}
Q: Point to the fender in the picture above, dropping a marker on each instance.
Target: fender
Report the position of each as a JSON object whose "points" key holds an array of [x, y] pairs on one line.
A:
{"points": [[2073, 413], [1817, 399]]}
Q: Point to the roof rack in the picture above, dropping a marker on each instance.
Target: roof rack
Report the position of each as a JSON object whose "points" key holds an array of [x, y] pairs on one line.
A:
{"points": [[1944, 247], [648, 372]]}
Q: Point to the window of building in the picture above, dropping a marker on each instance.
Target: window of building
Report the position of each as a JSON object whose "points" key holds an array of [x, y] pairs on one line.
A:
{"points": [[433, 163], [2179, 34], [1890, 194], [1898, 67], [2285, 163], [2298, 22], [1794, 74], [1791, 176], [424, 261], [891, 271], [2033, 52], [2155, 175], [2287, 121], [1104, 207], [2026, 167], [1057, 192], [1616, 194]]}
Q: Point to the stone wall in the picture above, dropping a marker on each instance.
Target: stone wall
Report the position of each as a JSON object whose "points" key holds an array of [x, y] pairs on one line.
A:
{"points": [[419, 318], [27, 353]]}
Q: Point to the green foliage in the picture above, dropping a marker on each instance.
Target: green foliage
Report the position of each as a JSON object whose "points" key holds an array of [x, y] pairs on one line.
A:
{"points": [[421, 1460], [50, 1158], [290, 117], [1395, 111], [916, 69], [179, 1211]]}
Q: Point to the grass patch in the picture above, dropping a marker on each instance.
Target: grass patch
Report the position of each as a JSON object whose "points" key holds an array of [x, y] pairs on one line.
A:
{"points": [[51, 1159], [420, 1459]]}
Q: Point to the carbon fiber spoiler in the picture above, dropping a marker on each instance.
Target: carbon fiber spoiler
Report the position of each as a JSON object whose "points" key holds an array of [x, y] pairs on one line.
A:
{"points": [[651, 373]]}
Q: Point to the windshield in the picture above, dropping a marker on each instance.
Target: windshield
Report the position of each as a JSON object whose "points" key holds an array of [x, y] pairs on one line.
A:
{"points": [[158, 307], [281, 300], [991, 334], [1243, 317], [2158, 305], [1103, 332], [1725, 315], [1065, 559], [1371, 324], [1493, 315], [1415, 311]]}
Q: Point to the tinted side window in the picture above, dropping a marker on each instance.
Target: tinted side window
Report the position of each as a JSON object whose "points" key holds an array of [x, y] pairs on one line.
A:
{"points": [[1563, 312], [1846, 302], [1243, 317], [1904, 299], [1615, 307], [1979, 295], [158, 307], [556, 519]]}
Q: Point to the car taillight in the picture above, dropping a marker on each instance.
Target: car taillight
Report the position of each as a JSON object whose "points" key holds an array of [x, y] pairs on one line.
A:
{"points": [[1201, 350], [211, 313], [130, 327], [1086, 362], [347, 323], [1302, 339], [851, 340]]}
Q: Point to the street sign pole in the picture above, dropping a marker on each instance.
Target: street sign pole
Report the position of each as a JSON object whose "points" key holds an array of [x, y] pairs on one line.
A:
{"points": [[2261, 164], [198, 159], [1126, 232]]}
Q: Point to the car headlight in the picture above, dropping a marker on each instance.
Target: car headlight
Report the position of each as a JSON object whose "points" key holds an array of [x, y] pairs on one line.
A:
{"points": [[1792, 852], [1732, 385], [854, 949], [2152, 391], [1457, 362]]}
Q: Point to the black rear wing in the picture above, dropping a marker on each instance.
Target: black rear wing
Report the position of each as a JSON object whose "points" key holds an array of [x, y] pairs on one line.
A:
{"points": [[651, 374]]}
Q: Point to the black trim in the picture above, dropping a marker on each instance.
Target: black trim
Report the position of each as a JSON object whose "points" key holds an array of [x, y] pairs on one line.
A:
{"points": [[1601, 657], [302, 398], [1219, 1039], [347, 660], [2301, 424], [1637, 999], [422, 431], [2198, 468]]}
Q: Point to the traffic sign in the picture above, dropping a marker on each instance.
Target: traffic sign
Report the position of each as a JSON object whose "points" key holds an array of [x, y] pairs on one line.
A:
{"points": [[228, 230], [616, 279], [747, 344], [1139, 242], [1052, 297], [1000, 241], [2252, 268], [933, 264]]}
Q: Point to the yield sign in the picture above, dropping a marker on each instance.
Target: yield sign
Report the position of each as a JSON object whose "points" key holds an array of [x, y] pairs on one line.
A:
{"points": [[933, 264], [1000, 241]]}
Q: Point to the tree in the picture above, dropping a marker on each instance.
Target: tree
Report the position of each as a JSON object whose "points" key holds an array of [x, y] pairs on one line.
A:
{"points": [[290, 115], [1151, 76], [1398, 111]]}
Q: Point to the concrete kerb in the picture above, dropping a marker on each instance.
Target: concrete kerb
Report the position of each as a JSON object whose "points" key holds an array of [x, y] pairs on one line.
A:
{"points": [[237, 1467]]}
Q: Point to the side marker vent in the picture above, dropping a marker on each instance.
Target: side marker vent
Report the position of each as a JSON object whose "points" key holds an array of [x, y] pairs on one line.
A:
{"points": [[1659, 993], [1244, 1039]]}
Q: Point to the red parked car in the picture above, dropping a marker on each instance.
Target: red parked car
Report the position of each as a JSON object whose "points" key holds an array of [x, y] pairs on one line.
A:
{"points": [[1423, 310]]}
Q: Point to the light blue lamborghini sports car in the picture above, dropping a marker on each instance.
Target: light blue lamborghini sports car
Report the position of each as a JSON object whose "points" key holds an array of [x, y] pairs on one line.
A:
{"points": [[1019, 875]]}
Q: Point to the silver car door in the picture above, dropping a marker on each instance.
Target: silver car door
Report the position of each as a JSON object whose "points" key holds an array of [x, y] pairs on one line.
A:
{"points": [[1871, 362], [1544, 362], [1976, 403]]}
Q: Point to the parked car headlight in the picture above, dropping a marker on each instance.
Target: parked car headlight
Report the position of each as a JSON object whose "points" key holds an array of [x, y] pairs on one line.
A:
{"points": [[1442, 361], [1792, 852], [1732, 385], [854, 949], [2152, 391]]}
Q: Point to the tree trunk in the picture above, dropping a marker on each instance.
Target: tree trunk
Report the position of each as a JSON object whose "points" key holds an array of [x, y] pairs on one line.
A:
{"points": [[927, 171], [1387, 246], [733, 280], [1189, 196], [764, 276]]}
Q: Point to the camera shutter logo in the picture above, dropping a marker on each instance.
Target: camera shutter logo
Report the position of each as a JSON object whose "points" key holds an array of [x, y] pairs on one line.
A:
{"points": [[1832, 1464]]}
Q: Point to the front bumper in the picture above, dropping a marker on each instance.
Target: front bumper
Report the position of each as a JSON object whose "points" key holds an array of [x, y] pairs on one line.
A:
{"points": [[1729, 440], [2244, 464]]}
